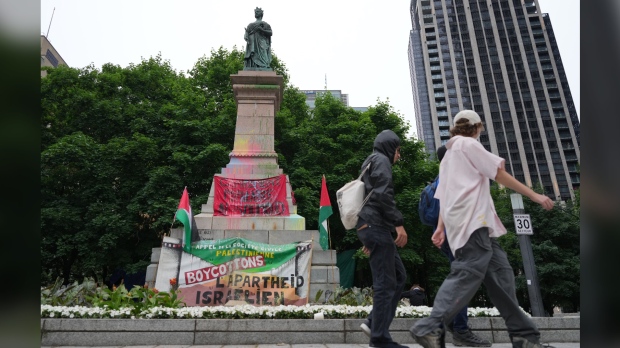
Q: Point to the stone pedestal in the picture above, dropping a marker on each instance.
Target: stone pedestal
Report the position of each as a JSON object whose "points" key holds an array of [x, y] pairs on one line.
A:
{"points": [[258, 95]]}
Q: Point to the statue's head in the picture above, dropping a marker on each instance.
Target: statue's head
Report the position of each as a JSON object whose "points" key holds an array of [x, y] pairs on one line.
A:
{"points": [[258, 12]]}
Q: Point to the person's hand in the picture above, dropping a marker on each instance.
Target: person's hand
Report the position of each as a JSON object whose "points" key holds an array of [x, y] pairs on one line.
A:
{"points": [[401, 236], [438, 237], [544, 201], [366, 250]]}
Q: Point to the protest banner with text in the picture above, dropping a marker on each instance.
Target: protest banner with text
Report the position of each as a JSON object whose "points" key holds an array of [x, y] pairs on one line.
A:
{"points": [[217, 271]]}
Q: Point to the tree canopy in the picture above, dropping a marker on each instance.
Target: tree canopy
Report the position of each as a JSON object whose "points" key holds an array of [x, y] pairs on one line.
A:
{"points": [[118, 144]]}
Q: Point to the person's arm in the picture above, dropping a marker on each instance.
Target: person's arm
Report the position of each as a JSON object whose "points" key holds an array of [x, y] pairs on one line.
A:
{"points": [[383, 192], [509, 181], [439, 236], [401, 236]]}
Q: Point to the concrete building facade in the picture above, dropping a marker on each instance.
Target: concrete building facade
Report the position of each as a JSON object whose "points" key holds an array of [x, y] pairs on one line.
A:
{"points": [[49, 55], [499, 58], [311, 95]]}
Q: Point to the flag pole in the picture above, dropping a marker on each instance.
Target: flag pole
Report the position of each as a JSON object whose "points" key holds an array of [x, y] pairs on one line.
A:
{"points": [[174, 218], [329, 239], [181, 251], [329, 235]]}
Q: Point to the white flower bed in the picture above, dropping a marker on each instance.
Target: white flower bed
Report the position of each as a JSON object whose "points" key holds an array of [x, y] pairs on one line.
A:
{"points": [[245, 312]]}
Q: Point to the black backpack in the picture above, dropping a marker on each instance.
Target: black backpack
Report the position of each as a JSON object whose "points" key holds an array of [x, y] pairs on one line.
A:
{"points": [[428, 208]]}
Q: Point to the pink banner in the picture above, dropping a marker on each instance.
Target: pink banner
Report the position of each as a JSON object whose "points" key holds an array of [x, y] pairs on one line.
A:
{"points": [[265, 197]]}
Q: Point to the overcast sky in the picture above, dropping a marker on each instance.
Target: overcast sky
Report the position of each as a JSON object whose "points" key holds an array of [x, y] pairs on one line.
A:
{"points": [[361, 46]]}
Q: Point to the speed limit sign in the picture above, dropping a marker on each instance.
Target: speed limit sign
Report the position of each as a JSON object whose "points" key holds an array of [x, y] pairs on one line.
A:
{"points": [[523, 224]]}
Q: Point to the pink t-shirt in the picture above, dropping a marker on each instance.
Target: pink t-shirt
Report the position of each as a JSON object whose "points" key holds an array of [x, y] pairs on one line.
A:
{"points": [[464, 193]]}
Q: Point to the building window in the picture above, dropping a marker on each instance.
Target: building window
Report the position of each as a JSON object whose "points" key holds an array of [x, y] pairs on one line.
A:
{"points": [[52, 59]]}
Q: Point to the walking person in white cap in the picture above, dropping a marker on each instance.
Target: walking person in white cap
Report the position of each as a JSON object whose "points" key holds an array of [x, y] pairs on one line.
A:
{"points": [[468, 212]]}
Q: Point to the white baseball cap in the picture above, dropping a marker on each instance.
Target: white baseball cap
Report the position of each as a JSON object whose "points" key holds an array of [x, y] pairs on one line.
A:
{"points": [[470, 115]]}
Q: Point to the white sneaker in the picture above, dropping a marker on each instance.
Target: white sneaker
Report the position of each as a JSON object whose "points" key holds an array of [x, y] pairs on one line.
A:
{"points": [[365, 326]]}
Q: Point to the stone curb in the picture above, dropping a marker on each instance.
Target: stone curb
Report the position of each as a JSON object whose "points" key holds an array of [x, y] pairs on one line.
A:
{"points": [[124, 332]]}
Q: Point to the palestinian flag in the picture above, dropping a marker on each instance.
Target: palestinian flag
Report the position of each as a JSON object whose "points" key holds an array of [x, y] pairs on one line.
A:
{"points": [[325, 211], [184, 214]]}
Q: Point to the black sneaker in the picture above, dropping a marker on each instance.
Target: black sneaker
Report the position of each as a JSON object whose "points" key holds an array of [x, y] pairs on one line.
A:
{"points": [[386, 345], [520, 342], [365, 326], [434, 339], [468, 339], [450, 327]]}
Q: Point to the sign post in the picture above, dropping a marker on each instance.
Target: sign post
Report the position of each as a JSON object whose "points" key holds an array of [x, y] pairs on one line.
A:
{"points": [[523, 228]]}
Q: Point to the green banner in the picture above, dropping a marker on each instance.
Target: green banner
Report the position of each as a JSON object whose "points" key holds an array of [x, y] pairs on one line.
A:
{"points": [[221, 251]]}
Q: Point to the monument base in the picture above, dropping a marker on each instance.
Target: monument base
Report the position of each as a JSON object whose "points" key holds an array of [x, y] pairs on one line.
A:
{"points": [[324, 274]]}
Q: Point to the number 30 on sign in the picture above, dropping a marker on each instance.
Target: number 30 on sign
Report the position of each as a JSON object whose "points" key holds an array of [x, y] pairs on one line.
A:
{"points": [[523, 224]]}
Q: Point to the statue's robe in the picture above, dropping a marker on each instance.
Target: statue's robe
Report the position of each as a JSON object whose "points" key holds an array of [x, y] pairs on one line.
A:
{"points": [[258, 48]]}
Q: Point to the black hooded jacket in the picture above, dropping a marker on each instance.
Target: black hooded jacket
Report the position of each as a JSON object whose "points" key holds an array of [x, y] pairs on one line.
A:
{"points": [[381, 207]]}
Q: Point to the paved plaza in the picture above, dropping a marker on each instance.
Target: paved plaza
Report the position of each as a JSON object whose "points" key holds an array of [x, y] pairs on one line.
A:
{"points": [[412, 345]]}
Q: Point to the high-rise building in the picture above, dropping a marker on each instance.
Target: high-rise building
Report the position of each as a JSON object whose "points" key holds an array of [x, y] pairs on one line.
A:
{"points": [[500, 59]]}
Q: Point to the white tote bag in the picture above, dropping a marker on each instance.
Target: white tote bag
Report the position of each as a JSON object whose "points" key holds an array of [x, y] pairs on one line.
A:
{"points": [[351, 200]]}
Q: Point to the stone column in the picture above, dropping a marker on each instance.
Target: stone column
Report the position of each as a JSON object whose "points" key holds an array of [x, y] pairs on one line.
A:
{"points": [[258, 95]]}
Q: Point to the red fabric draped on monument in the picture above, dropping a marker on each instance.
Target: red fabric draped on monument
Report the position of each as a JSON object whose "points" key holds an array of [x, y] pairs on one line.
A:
{"points": [[264, 197]]}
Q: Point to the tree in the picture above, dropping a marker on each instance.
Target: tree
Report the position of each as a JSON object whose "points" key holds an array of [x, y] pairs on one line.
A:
{"points": [[118, 145]]}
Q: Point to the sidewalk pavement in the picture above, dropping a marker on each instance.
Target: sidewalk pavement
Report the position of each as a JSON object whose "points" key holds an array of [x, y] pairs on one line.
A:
{"points": [[329, 345]]}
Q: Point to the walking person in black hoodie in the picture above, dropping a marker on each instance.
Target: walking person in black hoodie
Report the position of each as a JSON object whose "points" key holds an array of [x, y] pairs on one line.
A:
{"points": [[377, 220]]}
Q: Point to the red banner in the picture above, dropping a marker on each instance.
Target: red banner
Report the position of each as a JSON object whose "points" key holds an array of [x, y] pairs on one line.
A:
{"points": [[265, 197]]}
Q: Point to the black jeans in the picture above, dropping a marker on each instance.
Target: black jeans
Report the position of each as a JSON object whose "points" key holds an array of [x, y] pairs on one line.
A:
{"points": [[388, 278]]}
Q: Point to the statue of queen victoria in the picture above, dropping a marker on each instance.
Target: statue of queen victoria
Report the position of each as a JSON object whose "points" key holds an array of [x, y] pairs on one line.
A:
{"points": [[258, 43]]}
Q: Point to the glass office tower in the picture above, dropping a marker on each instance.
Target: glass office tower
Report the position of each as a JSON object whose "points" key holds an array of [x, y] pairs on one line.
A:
{"points": [[499, 58]]}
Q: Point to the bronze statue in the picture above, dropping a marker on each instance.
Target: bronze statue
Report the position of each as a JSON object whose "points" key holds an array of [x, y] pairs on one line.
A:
{"points": [[258, 44]]}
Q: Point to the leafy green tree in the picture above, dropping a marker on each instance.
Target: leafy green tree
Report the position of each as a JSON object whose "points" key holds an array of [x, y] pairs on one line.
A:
{"points": [[117, 147], [327, 142]]}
